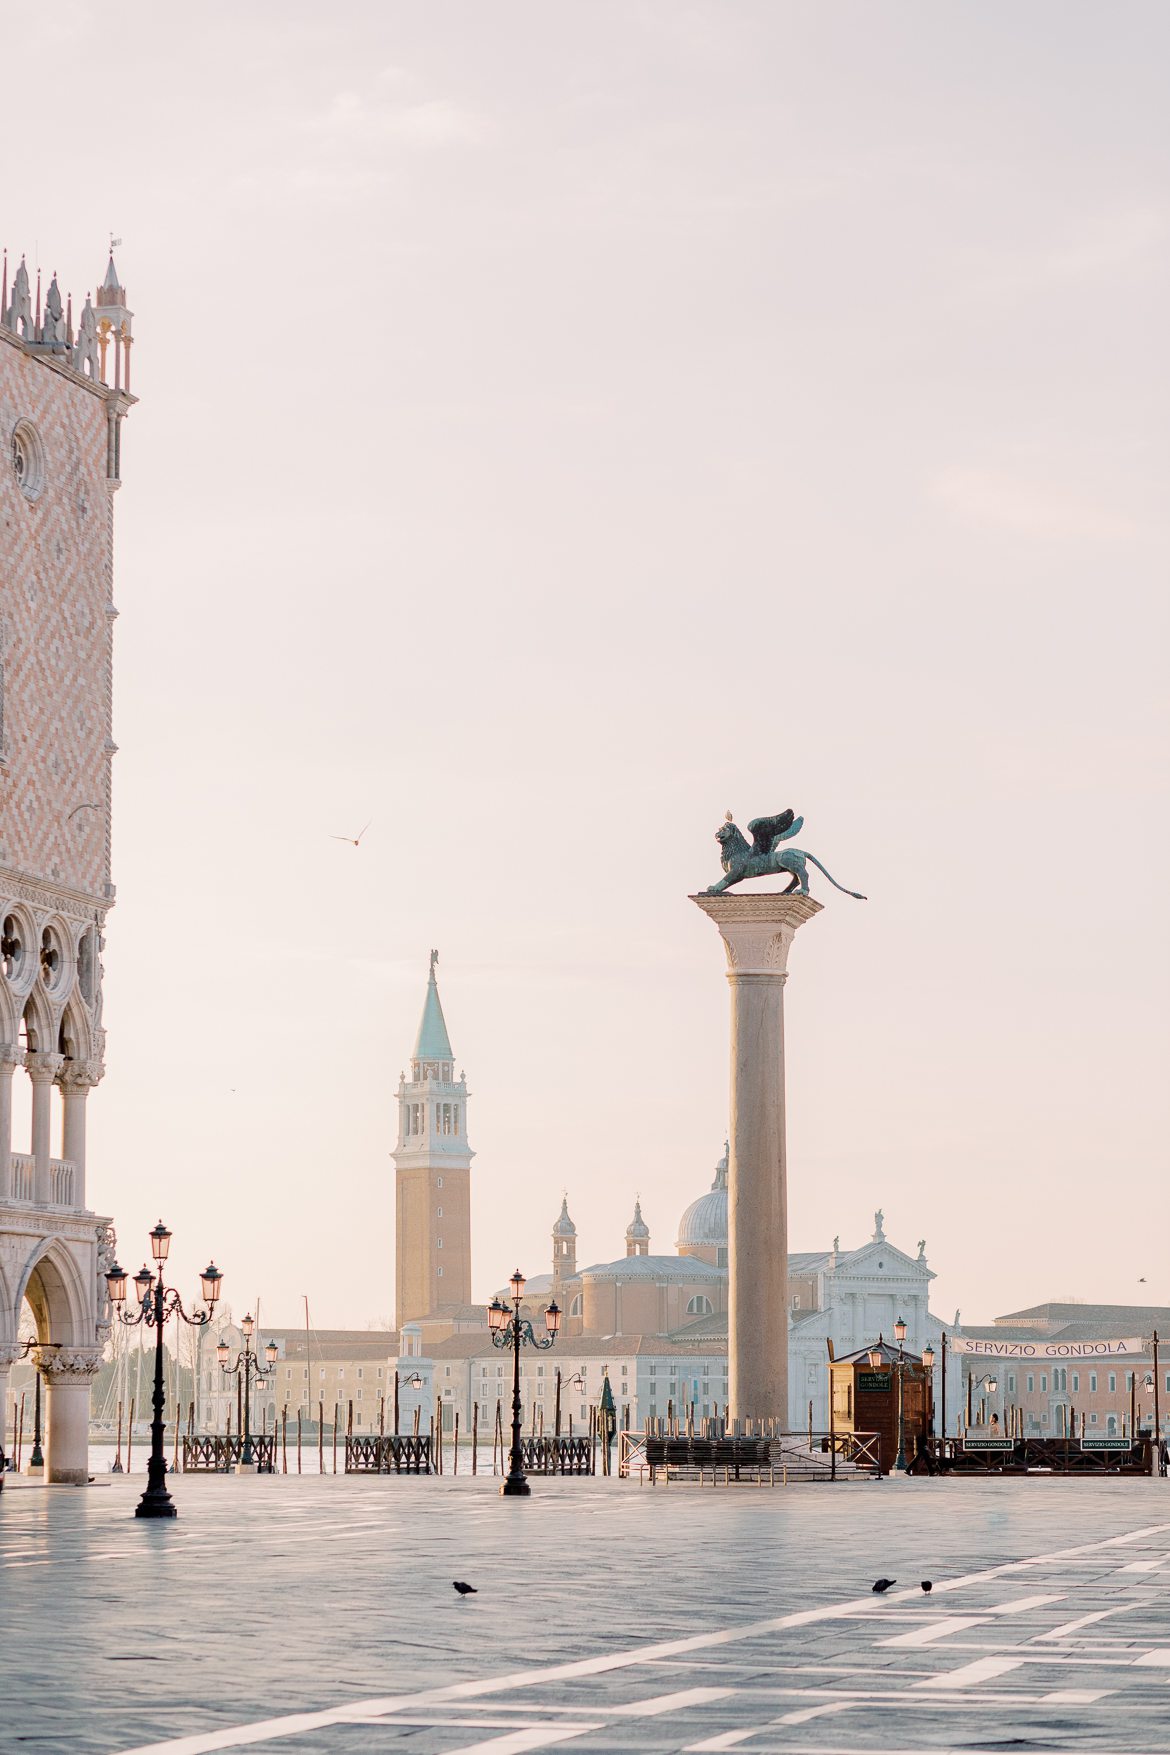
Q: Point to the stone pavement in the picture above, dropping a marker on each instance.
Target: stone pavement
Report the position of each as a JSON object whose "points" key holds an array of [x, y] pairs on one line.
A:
{"points": [[307, 1616]]}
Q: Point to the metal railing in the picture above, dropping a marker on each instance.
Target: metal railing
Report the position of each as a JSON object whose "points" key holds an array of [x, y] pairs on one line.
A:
{"points": [[217, 1455], [1103, 1454], [394, 1454], [557, 1456], [785, 1457]]}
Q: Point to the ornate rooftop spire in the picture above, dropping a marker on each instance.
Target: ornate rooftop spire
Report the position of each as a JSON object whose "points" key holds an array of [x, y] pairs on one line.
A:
{"points": [[433, 1042]]}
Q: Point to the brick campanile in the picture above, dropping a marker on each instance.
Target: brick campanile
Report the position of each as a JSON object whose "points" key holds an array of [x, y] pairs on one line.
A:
{"points": [[432, 1173]]}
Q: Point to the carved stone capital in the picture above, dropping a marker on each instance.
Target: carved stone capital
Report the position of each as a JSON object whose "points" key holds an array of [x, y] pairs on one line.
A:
{"points": [[10, 1057], [80, 1075], [757, 930], [9, 1355], [69, 1364], [43, 1067]]}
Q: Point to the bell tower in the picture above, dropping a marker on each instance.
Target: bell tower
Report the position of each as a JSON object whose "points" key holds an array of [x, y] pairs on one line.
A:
{"points": [[432, 1174], [564, 1260]]}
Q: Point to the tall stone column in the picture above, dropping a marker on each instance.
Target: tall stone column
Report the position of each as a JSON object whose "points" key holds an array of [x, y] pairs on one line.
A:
{"points": [[68, 1374], [42, 1070], [757, 931], [10, 1058], [76, 1080]]}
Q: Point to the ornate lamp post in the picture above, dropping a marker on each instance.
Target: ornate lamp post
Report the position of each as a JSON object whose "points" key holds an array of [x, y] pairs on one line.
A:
{"points": [[900, 1337], [156, 1305], [510, 1329], [928, 1367], [974, 1383], [36, 1461], [248, 1366]]}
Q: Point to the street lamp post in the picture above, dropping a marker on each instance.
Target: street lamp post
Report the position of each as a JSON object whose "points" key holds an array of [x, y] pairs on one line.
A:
{"points": [[156, 1305], [974, 1383], [36, 1461], [900, 1337], [510, 1329], [249, 1366]]}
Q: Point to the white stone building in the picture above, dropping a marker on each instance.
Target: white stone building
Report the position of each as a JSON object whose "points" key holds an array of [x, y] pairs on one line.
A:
{"points": [[63, 395]]}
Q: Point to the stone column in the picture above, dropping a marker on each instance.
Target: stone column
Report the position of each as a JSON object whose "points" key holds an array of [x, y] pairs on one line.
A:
{"points": [[42, 1070], [76, 1080], [757, 931], [10, 1058], [68, 1373], [8, 1357]]}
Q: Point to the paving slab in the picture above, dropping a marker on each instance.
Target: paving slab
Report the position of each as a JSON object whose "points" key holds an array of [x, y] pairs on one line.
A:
{"points": [[316, 1614]]}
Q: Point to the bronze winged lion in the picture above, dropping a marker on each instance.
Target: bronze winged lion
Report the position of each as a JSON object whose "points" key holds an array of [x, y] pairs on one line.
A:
{"points": [[766, 855]]}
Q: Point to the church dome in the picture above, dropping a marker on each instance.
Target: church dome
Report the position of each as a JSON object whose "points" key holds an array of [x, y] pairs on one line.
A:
{"points": [[704, 1224]]}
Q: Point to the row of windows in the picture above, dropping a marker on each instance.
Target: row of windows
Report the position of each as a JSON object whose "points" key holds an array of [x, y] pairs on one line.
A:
{"points": [[1061, 1382], [361, 1371]]}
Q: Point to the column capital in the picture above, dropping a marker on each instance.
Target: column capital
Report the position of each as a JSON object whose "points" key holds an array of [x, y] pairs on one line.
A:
{"points": [[69, 1364], [10, 1057], [757, 929], [42, 1068], [79, 1076], [9, 1355]]}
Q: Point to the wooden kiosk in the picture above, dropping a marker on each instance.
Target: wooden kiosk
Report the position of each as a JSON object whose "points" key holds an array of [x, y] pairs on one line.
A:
{"points": [[886, 1390]]}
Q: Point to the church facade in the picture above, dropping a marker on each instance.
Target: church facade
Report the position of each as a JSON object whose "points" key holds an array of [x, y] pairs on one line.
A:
{"points": [[64, 393]]}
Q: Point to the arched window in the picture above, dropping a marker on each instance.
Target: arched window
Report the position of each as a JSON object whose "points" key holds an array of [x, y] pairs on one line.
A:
{"points": [[575, 1305], [700, 1305]]}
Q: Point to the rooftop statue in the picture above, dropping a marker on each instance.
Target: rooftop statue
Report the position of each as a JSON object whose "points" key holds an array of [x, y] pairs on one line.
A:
{"points": [[766, 856]]}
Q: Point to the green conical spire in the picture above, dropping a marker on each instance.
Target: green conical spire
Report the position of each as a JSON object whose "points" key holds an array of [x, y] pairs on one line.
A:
{"points": [[433, 1042]]}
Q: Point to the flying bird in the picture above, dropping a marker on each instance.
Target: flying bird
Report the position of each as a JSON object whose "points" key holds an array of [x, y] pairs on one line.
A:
{"points": [[883, 1584], [354, 840], [927, 1586], [465, 1590]]}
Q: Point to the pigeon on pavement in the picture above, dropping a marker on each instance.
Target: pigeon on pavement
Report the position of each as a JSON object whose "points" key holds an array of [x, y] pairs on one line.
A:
{"points": [[465, 1590], [927, 1586], [882, 1584]]}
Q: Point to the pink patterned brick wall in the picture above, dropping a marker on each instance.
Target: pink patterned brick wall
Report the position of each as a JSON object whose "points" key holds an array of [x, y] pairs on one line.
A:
{"points": [[55, 629]]}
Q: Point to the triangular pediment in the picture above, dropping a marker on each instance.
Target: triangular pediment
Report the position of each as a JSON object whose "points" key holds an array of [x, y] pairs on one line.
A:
{"points": [[895, 1263]]}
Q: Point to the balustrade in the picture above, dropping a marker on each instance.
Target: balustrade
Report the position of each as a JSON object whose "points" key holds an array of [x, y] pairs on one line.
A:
{"points": [[61, 1179]]}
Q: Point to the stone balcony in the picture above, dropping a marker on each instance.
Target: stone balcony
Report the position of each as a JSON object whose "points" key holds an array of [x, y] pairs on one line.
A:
{"points": [[61, 1182]]}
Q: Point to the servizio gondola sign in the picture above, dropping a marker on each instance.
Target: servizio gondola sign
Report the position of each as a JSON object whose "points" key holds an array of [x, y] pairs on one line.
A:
{"points": [[1111, 1442], [988, 1349], [989, 1444]]}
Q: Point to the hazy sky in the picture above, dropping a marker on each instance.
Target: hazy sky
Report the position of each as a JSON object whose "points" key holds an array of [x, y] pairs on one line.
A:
{"points": [[560, 424]]}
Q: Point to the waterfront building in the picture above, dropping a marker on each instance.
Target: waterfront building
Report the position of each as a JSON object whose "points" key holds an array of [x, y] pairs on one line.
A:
{"points": [[64, 393], [1051, 1364]]}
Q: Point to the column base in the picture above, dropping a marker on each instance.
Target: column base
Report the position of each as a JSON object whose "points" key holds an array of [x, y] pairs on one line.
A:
{"points": [[243, 1468]]}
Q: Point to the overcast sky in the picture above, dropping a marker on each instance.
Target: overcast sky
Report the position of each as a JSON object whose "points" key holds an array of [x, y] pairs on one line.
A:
{"points": [[559, 425]]}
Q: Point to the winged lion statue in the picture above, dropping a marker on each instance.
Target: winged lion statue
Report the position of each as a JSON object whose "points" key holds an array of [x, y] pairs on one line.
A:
{"points": [[766, 855]]}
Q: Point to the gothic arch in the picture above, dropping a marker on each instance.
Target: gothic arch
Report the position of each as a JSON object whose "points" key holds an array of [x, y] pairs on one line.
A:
{"points": [[37, 1018], [9, 1309], [56, 1292], [74, 1036], [9, 1013], [64, 977], [24, 977]]}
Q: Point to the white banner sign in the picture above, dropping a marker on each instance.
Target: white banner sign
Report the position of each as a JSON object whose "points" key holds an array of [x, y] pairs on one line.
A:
{"points": [[1049, 1349]]}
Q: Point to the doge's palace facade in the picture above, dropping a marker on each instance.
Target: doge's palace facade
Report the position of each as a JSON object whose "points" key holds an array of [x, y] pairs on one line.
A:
{"points": [[64, 390]]}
